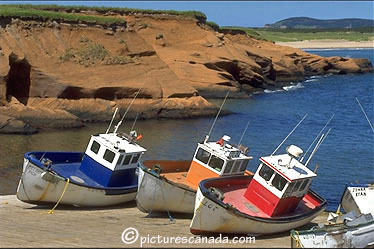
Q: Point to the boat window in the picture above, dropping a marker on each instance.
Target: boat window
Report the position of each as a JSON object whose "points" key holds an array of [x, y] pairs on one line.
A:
{"points": [[290, 187], [236, 166], [127, 160], [95, 147], [302, 187], [279, 182], [216, 163], [244, 165], [297, 185], [203, 155], [109, 155], [120, 160], [228, 167], [135, 158], [266, 172]]}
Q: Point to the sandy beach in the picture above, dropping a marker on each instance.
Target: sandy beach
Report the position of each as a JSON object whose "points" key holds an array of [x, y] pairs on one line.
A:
{"points": [[328, 44], [26, 225]]}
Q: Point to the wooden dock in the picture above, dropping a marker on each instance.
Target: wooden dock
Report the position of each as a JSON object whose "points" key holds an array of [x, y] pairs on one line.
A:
{"points": [[26, 225]]}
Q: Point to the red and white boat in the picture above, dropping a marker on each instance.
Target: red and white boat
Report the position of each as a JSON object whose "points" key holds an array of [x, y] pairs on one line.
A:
{"points": [[276, 198]]}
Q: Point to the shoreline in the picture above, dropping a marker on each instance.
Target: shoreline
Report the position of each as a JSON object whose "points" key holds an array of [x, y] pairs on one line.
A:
{"points": [[70, 226], [327, 44]]}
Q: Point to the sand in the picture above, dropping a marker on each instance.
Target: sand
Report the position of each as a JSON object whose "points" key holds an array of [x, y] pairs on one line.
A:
{"points": [[26, 225], [328, 44]]}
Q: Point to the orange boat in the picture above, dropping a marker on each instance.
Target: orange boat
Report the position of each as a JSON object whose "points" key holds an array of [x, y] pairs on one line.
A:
{"points": [[170, 186]]}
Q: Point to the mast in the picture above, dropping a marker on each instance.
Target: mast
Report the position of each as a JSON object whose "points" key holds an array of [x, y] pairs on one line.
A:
{"points": [[362, 109]]}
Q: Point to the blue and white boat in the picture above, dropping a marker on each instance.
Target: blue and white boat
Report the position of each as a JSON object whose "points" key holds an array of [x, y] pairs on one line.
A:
{"points": [[105, 174]]}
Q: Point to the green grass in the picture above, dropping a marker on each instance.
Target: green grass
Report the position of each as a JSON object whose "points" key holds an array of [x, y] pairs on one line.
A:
{"points": [[20, 11], [93, 54], [67, 8], [289, 35]]}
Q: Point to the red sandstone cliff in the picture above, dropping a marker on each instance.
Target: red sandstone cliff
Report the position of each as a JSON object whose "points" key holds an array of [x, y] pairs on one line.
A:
{"points": [[58, 75]]}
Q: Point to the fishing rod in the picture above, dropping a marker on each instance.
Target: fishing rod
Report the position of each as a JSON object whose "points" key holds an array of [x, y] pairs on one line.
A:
{"points": [[284, 140]]}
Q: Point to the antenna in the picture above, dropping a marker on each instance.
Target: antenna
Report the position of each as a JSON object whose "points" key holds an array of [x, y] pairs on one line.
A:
{"points": [[211, 128], [320, 141], [128, 108], [133, 124], [284, 140], [115, 112], [245, 130], [310, 146], [365, 114]]}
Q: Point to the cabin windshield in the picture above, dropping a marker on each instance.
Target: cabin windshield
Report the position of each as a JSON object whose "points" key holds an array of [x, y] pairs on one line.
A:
{"points": [[210, 160], [266, 172], [279, 182]]}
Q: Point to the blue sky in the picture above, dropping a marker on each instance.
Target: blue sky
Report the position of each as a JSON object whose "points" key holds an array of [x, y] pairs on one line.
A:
{"points": [[246, 13]]}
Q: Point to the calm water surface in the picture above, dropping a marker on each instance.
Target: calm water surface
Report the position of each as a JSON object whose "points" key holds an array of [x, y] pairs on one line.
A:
{"points": [[345, 156]]}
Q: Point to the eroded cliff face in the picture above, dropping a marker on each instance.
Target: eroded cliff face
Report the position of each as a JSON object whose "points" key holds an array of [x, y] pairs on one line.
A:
{"points": [[60, 75]]}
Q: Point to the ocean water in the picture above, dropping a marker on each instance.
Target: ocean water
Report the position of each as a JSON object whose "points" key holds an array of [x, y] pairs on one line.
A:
{"points": [[346, 155]]}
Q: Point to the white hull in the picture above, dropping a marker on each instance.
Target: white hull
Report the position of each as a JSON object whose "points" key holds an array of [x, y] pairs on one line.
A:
{"points": [[157, 194], [32, 188], [358, 199], [335, 236], [210, 217]]}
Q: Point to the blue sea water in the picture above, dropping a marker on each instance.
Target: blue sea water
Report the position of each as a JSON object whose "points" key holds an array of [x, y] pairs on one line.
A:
{"points": [[346, 156]]}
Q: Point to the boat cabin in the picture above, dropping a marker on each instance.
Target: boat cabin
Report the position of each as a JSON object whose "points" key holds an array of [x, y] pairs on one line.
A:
{"points": [[111, 159], [213, 159], [280, 183]]}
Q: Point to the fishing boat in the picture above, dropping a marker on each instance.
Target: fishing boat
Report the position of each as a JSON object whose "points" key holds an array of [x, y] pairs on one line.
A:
{"points": [[170, 186], [276, 198], [358, 198], [351, 233], [105, 174]]}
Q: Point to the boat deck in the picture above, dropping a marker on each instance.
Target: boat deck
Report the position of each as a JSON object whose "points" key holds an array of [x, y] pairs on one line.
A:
{"points": [[234, 195], [71, 171], [180, 178]]}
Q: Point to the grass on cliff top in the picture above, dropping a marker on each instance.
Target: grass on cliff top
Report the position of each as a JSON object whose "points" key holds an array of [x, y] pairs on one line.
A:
{"points": [[102, 10], [20, 11], [290, 35]]}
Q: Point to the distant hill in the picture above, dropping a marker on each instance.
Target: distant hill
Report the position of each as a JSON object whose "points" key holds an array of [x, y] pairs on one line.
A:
{"points": [[311, 23]]}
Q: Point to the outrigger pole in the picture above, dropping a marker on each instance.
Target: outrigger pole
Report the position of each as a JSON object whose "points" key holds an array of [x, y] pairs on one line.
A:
{"points": [[214, 122], [284, 140], [128, 108], [310, 146], [365, 114]]}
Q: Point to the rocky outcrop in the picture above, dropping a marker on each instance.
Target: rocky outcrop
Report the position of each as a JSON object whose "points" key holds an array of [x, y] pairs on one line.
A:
{"points": [[57, 75]]}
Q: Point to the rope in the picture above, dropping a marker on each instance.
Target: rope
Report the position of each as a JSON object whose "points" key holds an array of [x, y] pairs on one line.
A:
{"points": [[63, 192], [298, 242]]}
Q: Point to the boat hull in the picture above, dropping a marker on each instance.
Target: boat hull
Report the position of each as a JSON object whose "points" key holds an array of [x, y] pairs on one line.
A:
{"points": [[41, 187], [335, 236], [156, 193], [358, 198], [214, 216]]}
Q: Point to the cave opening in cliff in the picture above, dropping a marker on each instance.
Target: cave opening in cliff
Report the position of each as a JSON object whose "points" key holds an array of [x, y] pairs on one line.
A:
{"points": [[18, 78]]}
